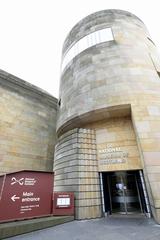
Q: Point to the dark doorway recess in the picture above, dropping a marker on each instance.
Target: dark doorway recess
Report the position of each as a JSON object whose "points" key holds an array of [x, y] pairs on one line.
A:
{"points": [[123, 192]]}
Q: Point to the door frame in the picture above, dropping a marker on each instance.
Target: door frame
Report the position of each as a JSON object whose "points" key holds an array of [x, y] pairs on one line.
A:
{"points": [[107, 205]]}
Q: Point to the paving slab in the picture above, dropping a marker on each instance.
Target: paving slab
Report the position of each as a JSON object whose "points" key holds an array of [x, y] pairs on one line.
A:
{"points": [[115, 227]]}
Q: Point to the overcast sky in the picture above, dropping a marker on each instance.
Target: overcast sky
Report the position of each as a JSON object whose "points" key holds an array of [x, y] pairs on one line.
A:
{"points": [[32, 33]]}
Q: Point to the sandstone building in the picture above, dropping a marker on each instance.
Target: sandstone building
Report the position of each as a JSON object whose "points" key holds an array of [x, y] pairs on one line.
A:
{"points": [[108, 127], [27, 126], [108, 119]]}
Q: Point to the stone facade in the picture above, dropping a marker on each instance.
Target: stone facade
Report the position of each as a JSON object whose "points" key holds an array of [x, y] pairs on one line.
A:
{"points": [[116, 133], [27, 126], [76, 169], [113, 79]]}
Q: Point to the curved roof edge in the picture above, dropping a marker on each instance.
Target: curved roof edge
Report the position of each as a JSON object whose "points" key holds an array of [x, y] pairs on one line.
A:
{"points": [[110, 11]]}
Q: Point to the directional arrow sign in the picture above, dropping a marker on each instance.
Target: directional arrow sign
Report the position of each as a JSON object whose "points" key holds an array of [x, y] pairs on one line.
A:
{"points": [[27, 196], [14, 198]]}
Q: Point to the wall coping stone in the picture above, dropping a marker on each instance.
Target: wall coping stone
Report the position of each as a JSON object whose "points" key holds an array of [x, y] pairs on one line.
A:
{"points": [[18, 85]]}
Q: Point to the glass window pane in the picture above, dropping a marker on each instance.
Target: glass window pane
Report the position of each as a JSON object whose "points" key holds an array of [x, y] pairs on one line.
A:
{"points": [[83, 44], [90, 40]]}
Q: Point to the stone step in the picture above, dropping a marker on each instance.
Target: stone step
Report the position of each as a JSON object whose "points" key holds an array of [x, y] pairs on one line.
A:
{"points": [[11, 229]]}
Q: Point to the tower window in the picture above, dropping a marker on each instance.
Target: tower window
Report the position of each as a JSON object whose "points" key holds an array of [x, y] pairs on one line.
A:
{"points": [[59, 102], [89, 40]]}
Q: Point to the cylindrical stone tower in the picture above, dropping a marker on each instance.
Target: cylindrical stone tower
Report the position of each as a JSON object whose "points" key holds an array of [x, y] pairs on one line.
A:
{"points": [[109, 114]]}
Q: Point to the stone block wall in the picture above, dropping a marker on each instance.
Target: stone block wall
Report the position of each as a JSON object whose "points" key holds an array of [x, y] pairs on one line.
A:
{"points": [[76, 170], [124, 71], [27, 126], [116, 133], [146, 121]]}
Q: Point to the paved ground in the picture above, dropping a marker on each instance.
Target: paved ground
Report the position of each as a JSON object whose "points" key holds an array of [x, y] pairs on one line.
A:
{"points": [[111, 228]]}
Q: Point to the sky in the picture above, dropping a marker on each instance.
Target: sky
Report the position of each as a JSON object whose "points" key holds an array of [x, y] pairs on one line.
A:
{"points": [[32, 33]]}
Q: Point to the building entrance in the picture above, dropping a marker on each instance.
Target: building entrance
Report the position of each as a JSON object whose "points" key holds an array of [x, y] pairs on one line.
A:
{"points": [[123, 192]]}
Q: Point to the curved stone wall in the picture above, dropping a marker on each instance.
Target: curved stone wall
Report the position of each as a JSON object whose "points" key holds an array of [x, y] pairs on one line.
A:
{"points": [[110, 73], [114, 79]]}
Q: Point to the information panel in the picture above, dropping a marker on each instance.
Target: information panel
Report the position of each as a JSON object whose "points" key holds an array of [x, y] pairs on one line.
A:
{"points": [[25, 194], [63, 203]]}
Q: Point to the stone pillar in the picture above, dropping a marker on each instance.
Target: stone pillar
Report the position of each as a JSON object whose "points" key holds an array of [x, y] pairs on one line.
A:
{"points": [[76, 170]]}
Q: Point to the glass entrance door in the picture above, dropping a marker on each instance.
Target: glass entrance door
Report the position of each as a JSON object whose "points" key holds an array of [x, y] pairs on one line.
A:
{"points": [[124, 195]]}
